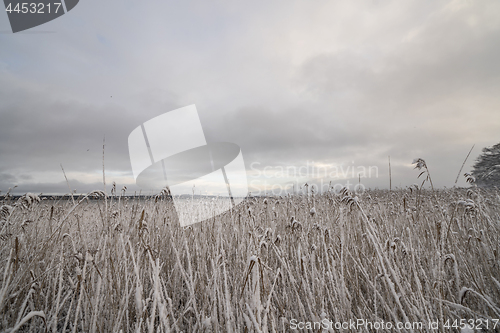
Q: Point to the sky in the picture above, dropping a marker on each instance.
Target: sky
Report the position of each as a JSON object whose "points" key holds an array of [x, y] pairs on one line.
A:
{"points": [[299, 85]]}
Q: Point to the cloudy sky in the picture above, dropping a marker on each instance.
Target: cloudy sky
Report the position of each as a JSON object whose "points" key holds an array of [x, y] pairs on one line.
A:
{"points": [[294, 83]]}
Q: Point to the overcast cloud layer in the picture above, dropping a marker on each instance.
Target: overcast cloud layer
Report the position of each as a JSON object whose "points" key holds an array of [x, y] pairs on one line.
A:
{"points": [[329, 83]]}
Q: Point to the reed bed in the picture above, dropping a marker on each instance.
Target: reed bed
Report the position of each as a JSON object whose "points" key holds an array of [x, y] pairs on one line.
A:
{"points": [[119, 264]]}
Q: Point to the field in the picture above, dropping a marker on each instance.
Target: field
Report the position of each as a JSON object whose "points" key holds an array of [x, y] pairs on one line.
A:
{"points": [[410, 258]]}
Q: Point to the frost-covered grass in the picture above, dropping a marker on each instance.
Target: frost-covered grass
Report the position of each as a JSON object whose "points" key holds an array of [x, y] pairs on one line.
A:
{"points": [[125, 265]]}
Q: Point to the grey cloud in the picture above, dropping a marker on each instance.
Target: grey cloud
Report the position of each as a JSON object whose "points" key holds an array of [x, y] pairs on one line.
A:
{"points": [[5, 177], [373, 79]]}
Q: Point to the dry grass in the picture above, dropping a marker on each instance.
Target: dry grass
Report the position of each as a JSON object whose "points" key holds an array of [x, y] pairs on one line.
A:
{"points": [[395, 256]]}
